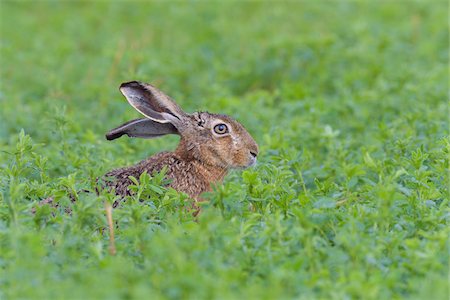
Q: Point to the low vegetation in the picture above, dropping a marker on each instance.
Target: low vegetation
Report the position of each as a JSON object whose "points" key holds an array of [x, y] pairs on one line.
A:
{"points": [[348, 102]]}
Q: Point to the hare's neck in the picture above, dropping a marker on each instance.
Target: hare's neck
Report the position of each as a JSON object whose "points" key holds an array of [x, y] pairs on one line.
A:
{"points": [[210, 171]]}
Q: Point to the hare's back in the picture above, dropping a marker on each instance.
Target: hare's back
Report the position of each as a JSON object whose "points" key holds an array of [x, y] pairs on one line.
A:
{"points": [[184, 175], [119, 179]]}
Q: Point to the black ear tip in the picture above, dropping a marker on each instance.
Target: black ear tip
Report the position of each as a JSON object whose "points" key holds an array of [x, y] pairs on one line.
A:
{"points": [[113, 135], [133, 83]]}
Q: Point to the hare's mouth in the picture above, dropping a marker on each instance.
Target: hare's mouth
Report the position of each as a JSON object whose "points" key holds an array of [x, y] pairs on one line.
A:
{"points": [[251, 162], [253, 158]]}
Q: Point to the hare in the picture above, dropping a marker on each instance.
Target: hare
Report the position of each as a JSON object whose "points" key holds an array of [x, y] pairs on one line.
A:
{"points": [[210, 144]]}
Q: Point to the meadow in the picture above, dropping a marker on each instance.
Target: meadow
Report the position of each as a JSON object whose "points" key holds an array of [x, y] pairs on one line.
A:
{"points": [[348, 102]]}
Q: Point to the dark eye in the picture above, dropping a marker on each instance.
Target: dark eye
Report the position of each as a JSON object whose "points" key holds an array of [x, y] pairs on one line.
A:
{"points": [[220, 129]]}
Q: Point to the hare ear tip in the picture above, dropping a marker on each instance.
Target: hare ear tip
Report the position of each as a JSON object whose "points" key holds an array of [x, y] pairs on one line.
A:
{"points": [[130, 84], [112, 136]]}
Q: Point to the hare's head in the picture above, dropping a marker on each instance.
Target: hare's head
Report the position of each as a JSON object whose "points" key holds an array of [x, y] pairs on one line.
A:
{"points": [[213, 139]]}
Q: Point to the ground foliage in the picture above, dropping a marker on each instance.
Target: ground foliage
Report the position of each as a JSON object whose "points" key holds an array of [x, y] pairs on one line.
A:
{"points": [[347, 100]]}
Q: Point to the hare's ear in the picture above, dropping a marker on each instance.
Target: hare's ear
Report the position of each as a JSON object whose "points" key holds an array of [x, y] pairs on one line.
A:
{"points": [[142, 128], [152, 103]]}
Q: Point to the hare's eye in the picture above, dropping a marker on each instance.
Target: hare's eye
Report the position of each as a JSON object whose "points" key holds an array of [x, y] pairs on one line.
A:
{"points": [[220, 129]]}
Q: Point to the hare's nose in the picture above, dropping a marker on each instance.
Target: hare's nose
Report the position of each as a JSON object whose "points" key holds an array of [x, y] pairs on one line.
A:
{"points": [[254, 154]]}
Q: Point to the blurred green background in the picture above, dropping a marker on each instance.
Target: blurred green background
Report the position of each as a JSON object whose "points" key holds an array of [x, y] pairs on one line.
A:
{"points": [[348, 101]]}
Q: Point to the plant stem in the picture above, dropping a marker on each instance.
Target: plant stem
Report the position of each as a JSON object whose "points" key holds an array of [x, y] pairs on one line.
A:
{"points": [[112, 244]]}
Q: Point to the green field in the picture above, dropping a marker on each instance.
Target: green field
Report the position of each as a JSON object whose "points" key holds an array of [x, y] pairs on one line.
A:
{"points": [[347, 100]]}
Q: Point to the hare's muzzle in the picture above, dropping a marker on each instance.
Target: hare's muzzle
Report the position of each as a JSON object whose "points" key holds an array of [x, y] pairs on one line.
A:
{"points": [[252, 157]]}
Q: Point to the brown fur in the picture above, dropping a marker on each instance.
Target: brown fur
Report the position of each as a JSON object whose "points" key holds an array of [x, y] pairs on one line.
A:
{"points": [[190, 177]]}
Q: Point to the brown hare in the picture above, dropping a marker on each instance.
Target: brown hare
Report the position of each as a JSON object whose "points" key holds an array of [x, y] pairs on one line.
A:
{"points": [[209, 146]]}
